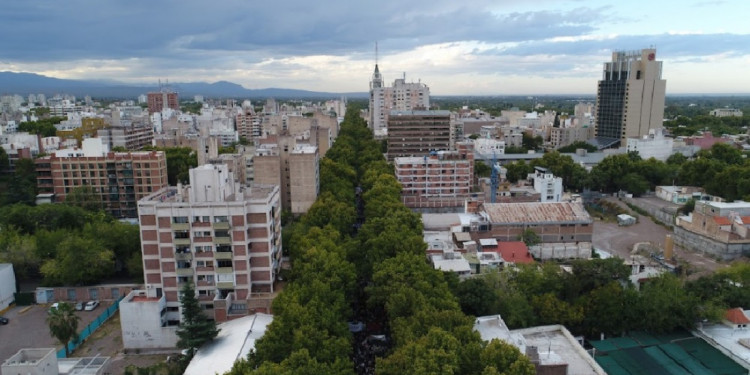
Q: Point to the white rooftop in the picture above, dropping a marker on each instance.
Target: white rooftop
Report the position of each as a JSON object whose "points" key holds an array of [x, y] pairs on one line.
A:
{"points": [[236, 339], [458, 264], [728, 339], [487, 242], [440, 221]]}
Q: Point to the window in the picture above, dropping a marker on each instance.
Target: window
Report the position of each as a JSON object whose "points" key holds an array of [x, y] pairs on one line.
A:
{"points": [[72, 294], [93, 293]]}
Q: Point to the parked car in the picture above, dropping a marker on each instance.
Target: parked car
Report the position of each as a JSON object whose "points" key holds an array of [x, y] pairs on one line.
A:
{"points": [[54, 306], [3, 320], [79, 306], [91, 305]]}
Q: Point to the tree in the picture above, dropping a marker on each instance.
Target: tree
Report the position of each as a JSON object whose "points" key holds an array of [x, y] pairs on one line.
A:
{"points": [[481, 169], [79, 260], [4, 160], [22, 187], [529, 237], [84, 197], [63, 324], [195, 329]]}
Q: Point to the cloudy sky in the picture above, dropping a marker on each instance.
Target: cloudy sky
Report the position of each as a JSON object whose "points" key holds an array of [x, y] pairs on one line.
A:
{"points": [[475, 47]]}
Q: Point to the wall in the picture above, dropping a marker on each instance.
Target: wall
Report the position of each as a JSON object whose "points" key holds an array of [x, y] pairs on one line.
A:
{"points": [[7, 285], [698, 243], [140, 323], [663, 214]]}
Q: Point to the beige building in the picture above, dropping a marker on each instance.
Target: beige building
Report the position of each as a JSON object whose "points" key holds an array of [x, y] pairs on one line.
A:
{"points": [[223, 238], [402, 96], [280, 163], [630, 97], [561, 137]]}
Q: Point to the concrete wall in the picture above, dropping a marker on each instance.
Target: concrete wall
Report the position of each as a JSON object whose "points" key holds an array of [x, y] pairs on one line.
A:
{"points": [[7, 285], [701, 244], [141, 324], [663, 214], [546, 251]]}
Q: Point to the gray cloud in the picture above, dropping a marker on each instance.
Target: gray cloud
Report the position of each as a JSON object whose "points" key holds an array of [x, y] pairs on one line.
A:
{"points": [[81, 29]]}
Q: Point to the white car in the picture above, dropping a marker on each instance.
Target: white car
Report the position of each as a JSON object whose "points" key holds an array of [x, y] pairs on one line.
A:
{"points": [[91, 305]]}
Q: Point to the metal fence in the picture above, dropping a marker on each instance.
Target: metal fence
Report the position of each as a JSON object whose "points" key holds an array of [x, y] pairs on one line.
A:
{"points": [[91, 328]]}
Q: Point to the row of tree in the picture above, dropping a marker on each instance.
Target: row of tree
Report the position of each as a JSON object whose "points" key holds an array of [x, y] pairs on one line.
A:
{"points": [[722, 170], [597, 297]]}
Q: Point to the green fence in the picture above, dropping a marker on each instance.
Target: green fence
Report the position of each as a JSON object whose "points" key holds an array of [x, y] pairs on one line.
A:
{"points": [[91, 328], [24, 298]]}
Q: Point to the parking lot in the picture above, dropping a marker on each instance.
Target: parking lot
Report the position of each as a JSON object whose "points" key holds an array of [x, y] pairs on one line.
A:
{"points": [[28, 328]]}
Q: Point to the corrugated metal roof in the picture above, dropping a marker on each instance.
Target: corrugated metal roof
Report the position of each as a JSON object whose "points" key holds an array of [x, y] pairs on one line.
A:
{"points": [[536, 212]]}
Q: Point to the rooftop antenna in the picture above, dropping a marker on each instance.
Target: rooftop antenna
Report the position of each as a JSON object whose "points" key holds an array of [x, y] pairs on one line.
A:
{"points": [[376, 53]]}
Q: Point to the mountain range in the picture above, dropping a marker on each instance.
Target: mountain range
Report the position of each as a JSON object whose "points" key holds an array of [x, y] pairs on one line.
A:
{"points": [[31, 83]]}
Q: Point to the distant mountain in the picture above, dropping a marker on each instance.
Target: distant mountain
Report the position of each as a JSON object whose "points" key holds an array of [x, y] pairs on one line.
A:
{"points": [[30, 83]]}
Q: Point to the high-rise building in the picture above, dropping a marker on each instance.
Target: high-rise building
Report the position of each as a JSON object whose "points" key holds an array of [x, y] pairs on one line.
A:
{"points": [[630, 97], [402, 96], [294, 167], [119, 178], [223, 238], [157, 101], [417, 133]]}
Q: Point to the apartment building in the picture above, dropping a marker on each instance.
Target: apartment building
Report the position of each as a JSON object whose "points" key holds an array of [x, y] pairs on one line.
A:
{"points": [[120, 178], [417, 133], [440, 180], [158, 101], [131, 137], [402, 96], [304, 178], [222, 237]]}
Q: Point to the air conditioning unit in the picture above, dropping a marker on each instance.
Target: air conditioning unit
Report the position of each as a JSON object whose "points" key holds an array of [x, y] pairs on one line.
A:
{"points": [[148, 286]]}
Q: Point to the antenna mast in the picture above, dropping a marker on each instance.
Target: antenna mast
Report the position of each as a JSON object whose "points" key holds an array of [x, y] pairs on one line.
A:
{"points": [[376, 53]]}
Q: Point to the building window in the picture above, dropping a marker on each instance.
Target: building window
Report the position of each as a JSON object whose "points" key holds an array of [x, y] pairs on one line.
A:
{"points": [[93, 293]]}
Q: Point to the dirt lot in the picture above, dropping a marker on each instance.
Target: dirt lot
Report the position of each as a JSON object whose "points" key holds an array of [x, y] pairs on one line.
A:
{"points": [[28, 329], [619, 241]]}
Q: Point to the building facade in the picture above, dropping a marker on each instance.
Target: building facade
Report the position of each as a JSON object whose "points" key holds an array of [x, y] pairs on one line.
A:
{"points": [[119, 178], [548, 186], [417, 133], [402, 96], [304, 178], [223, 238], [630, 97], [653, 145], [133, 137], [158, 101], [443, 179]]}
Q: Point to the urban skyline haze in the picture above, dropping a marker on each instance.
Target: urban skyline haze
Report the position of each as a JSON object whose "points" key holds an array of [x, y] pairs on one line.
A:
{"points": [[457, 48]]}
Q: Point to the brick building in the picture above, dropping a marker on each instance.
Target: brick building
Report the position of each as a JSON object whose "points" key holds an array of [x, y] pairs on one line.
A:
{"points": [[223, 238]]}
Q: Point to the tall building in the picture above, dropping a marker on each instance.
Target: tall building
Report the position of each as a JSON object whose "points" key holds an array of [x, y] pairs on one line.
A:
{"points": [[630, 97], [417, 133], [294, 167], [223, 238], [402, 96], [157, 101], [119, 178]]}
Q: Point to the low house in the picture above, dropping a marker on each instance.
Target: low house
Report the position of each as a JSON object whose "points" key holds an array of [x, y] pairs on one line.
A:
{"points": [[736, 318]]}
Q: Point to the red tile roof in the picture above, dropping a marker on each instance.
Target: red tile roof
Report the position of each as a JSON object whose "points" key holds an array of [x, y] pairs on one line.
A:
{"points": [[737, 316], [721, 220], [745, 219], [514, 252]]}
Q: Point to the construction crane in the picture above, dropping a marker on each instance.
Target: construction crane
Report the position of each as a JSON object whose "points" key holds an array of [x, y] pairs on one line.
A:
{"points": [[494, 178]]}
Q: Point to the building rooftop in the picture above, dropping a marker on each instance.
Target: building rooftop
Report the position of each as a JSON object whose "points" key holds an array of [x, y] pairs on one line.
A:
{"points": [[235, 340], [737, 316], [536, 213], [514, 252], [421, 113], [169, 194], [440, 221]]}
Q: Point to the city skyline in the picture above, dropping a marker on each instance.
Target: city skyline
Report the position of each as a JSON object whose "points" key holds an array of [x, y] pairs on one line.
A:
{"points": [[485, 48]]}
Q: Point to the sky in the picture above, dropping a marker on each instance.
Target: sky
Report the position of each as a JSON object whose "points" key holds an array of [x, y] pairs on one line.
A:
{"points": [[475, 47]]}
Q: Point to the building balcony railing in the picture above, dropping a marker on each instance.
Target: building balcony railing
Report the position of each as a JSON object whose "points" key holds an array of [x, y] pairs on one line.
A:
{"points": [[180, 226], [184, 271], [224, 270], [221, 225], [225, 285], [222, 240], [203, 224], [202, 239], [182, 241], [223, 255], [205, 297], [183, 256], [204, 269], [205, 283], [205, 254]]}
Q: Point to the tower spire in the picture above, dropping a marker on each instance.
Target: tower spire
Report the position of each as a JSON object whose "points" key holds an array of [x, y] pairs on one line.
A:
{"points": [[376, 53]]}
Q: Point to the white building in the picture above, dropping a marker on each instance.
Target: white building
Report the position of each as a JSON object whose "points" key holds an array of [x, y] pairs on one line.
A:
{"points": [[546, 184], [654, 145], [726, 112], [402, 96], [143, 321], [7, 285], [44, 361]]}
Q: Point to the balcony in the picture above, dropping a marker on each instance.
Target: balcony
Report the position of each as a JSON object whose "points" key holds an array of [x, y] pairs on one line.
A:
{"points": [[205, 254], [221, 225], [183, 256], [181, 241], [223, 255], [204, 269], [184, 271], [180, 226], [205, 283], [225, 285], [222, 240], [224, 270]]}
